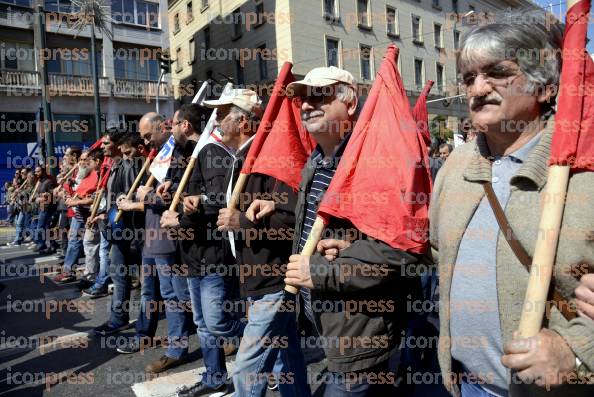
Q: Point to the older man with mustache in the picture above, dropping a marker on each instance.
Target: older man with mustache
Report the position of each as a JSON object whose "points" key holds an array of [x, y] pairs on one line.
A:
{"points": [[510, 89]]}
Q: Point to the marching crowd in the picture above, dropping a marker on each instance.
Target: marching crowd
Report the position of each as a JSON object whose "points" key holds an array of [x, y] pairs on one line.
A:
{"points": [[198, 261]]}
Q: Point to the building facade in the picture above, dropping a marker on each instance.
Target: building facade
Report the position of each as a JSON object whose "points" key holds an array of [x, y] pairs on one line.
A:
{"points": [[137, 32], [249, 40]]}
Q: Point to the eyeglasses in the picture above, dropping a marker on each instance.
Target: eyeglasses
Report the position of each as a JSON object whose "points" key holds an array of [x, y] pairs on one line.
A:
{"points": [[316, 98], [497, 75]]}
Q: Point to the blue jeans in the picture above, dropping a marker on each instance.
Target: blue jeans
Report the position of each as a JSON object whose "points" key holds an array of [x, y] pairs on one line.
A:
{"points": [[75, 244], [271, 316], [474, 390], [178, 309], [357, 384], [22, 226], [102, 278], [121, 261], [150, 299], [208, 295], [41, 228]]}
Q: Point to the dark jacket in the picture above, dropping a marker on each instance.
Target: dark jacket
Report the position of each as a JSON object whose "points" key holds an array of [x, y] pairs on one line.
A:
{"points": [[268, 242], [121, 179], [202, 245], [365, 286]]}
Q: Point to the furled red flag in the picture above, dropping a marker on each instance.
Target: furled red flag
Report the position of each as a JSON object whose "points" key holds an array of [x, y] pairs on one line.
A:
{"points": [[573, 138], [105, 170], [281, 146], [382, 184], [88, 185], [421, 115]]}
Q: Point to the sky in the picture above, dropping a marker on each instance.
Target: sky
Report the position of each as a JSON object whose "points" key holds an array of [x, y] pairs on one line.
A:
{"points": [[560, 6]]}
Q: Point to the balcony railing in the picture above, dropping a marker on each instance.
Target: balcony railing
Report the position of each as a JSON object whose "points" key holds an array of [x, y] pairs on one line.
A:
{"points": [[67, 85], [63, 84], [19, 79], [140, 89]]}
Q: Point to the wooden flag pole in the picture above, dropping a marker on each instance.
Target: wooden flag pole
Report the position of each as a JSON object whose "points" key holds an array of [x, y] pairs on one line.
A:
{"points": [[34, 192], [545, 250], [237, 190], [97, 200], [182, 184], [310, 245], [134, 186]]}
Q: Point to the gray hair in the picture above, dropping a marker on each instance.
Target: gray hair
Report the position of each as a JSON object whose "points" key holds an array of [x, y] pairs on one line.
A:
{"points": [[530, 37], [346, 93]]}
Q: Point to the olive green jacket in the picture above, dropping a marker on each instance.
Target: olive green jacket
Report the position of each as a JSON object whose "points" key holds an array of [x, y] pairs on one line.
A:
{"points": [[457, 193]]}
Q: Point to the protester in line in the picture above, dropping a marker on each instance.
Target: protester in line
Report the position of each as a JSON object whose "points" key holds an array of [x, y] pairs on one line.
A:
{"points": [[24, 206], [210, 290], [44, 200], [272, 311], [511, 104], [79, 201], [125, 248], [97, 238]]}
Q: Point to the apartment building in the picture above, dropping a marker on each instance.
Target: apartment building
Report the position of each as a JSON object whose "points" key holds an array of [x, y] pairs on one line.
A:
{"points": [[249, 40], [137, 31]]}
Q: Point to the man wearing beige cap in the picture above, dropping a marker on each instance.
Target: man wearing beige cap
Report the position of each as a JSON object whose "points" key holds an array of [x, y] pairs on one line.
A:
{"points": [[204, 251]]}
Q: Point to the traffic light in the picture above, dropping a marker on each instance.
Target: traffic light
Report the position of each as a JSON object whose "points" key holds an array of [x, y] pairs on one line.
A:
{"points": [[164, 62]]}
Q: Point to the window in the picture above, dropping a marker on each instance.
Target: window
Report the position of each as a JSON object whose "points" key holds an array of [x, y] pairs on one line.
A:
{"points": [[419, 74], [23, 3], [440, 71], [206, 38], [178, 58], [260, 13], [239, 75], [435, 4], [363, 13], [455, 6], [63, 6], [138, 12], [176, 23], [192, 48], [365, 56], [130, 67], [456, 39], [262, 63], [204, 5], [331, 10], [437, 35], [332, 52], [392, 21], [189, 12], [417, 29], [237, 22], [17, 56]]}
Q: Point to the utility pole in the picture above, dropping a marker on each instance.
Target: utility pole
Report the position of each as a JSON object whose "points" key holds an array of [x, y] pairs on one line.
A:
{"points": [[47, 126], [96, 99]]}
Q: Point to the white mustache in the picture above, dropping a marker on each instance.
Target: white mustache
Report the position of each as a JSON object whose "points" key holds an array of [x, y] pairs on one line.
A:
{"points": [[479, 101], [310, 115]]}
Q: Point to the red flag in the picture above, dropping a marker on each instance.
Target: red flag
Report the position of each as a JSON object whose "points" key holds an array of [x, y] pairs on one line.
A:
{"points": [[281, 146], [88, 185], [105, 170], [573, 138], [96, 145], [382, 184], [421, 115]]}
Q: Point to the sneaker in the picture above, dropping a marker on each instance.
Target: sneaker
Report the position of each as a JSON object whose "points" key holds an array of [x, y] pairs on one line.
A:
{"points": [[130, 347], [13, 244], [95, 292], [164, 363], [108, 329], [63, 278], [200, 389], [273, 384], [47, 251]]}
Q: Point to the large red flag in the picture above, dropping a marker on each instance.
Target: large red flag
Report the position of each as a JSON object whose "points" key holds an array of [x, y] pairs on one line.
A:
{"points": [[382, 184], [281, 146], [105, 170], [573, 138], [421, 115]]}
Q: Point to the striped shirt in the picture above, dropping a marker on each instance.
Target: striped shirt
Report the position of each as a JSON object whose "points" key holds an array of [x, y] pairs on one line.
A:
{"points": [[325, 169]]}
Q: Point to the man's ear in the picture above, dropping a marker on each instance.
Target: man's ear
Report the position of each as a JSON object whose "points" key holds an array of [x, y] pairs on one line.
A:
{"points": [[548, 94], [352, 106]]}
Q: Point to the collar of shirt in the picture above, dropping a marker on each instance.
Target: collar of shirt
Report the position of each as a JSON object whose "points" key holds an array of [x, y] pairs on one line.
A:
{"points": [[318, 157], [520, 155]]}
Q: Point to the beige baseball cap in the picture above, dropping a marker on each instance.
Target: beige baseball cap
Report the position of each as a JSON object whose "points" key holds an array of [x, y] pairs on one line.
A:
{"points": [[321, 77], [244, 99]]}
